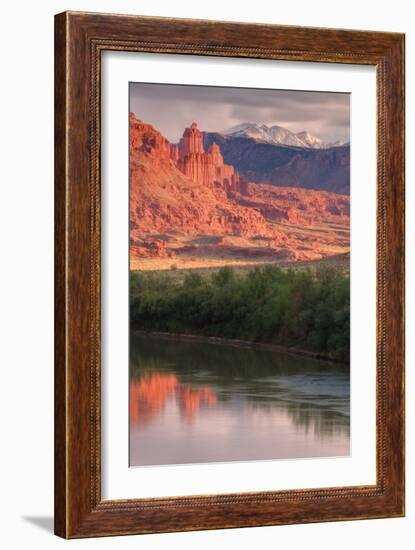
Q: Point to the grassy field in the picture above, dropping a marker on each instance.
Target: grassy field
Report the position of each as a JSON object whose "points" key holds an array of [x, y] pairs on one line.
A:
{"points": [[286, 243], [339, 262]]}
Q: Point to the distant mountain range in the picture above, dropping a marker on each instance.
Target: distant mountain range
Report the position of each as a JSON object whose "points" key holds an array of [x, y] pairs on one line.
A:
{"points": [[277, 135], [285, 165]]}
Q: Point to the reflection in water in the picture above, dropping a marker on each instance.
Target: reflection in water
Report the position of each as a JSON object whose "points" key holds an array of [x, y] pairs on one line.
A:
{"points": [[200, 402], [150, 393]]}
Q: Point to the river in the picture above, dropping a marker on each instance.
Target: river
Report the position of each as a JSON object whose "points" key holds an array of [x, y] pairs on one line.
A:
{"points": [[193, 402]]}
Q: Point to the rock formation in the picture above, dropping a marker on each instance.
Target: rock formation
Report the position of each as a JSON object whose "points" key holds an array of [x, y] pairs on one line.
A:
{"points": [[191, 141], [145, 138], [174, 152], [185, 202], [206, 168], [164, 198]]}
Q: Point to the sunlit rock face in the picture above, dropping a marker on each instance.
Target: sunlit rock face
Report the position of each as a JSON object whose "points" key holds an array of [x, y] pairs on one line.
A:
{"points": [[191, 142], [186, 202], [206, 168]]}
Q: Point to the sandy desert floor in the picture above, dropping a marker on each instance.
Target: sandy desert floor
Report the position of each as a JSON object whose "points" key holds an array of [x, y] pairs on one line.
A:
{"points": [[313, 244]]}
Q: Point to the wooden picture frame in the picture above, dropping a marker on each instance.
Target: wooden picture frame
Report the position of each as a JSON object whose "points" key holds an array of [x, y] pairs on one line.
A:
{"points": [[79, 40]]}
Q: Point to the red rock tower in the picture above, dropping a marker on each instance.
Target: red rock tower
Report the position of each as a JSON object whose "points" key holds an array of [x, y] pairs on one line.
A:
{"points": [[191, 141], [214, 150], [224, 173], [201, 167], [174, 152]]}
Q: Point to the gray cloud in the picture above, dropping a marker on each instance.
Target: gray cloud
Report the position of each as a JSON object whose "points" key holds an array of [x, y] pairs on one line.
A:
{"points": [[170, 108]]}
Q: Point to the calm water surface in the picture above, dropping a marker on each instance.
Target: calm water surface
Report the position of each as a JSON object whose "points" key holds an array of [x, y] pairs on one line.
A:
{"points": [[200, 402]]}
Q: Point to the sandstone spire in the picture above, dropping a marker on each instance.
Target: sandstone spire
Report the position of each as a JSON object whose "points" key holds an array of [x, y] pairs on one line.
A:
{"points": [[205, 168], [214, 150], [191, 141], [174, 152]]}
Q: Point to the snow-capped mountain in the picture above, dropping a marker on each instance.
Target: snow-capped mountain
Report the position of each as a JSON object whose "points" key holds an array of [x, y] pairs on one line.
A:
{"points": [[277, 135], [310, 140]]}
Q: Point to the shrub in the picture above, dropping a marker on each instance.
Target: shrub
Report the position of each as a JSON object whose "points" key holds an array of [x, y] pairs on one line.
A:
{"points": [[296, 309]]}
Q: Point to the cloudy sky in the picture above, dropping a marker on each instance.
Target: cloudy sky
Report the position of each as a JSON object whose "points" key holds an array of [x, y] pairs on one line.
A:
{"points": [[170, 108]]}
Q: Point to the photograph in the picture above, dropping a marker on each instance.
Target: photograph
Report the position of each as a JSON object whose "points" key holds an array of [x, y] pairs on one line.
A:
{"points": [[229, 273], [239, 293]]}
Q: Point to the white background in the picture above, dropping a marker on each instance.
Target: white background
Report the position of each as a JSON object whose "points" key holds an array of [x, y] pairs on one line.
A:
{"points": [[119, 481], [26, 299]]}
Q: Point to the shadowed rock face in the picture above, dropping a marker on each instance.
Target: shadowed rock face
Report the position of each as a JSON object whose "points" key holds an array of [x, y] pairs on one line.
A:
{"points": [[319, 169], [179, 194]]}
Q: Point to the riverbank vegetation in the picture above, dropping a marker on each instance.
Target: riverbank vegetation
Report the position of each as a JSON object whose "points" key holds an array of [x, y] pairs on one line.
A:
{"points": [[298, 309]]}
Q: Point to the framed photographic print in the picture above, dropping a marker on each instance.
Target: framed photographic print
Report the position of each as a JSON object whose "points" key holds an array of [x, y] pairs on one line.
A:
{"points": [[229, 276]]}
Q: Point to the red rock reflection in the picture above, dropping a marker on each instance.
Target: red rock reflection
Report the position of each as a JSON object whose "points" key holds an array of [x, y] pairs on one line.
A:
{"points": [[149, 395]]}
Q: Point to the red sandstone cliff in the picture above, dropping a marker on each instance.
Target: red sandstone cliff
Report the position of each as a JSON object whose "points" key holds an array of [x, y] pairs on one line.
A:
{"points": [[163, 199], [183, 192]]}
